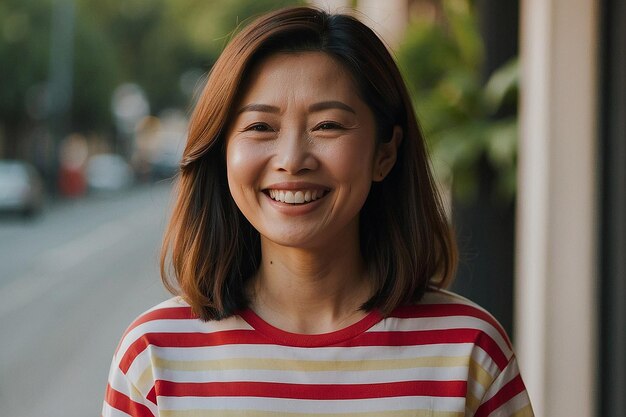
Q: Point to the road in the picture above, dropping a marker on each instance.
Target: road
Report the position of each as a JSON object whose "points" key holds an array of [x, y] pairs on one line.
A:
{"points": [[70, 283]]}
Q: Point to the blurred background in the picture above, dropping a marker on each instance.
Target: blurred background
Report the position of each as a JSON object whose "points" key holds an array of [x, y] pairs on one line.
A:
{"points": [[94, 100]]}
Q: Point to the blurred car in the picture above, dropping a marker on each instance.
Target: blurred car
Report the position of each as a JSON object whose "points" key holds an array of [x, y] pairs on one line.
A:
{"points": [[166, 157], [108, 172], [165, 163], [21, 188]]}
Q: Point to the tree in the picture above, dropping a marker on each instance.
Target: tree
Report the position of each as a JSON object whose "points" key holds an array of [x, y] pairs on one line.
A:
{"points": [[24, 57], [157, 44], [462, 70]]}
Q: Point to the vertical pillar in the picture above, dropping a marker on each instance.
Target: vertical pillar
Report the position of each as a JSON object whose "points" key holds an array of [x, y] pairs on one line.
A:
{"points": [[388, 18], [613, 246], [556, 299], [61, 80]]}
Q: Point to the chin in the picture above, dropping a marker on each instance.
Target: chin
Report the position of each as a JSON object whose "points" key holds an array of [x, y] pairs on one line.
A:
{"points": [[290, 241]]}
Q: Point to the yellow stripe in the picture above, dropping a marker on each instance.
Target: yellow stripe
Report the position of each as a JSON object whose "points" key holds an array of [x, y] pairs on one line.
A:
{"points": [[146, 380], [135, 395], [254, 413], [316, 366], [524, 412], [471, 402], [478, 373]]}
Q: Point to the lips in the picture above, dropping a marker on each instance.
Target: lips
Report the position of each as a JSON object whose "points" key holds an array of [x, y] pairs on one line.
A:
{"points": [[296, 196]]}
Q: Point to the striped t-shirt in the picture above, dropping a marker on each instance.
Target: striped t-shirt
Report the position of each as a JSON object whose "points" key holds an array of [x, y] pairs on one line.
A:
{"points": [[441, 358]]}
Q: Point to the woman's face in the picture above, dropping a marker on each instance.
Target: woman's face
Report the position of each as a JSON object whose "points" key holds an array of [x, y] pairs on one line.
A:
{"points": [[301, 151]]}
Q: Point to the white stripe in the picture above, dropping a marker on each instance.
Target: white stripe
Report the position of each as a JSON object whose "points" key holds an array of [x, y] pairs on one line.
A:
{"points": [[311, 406], [108, 411], [124, 383], [444, 323], [488, 365], [118, 381], [510, 372], [513, 405], [142, 362], [180, 326]]}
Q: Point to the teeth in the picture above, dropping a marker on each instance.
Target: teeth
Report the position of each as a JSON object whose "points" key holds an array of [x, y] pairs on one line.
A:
{"points": [[296, 197]]}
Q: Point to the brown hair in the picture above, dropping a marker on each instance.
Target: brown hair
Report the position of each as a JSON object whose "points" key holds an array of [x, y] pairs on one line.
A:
{"points": [[407, 244]]}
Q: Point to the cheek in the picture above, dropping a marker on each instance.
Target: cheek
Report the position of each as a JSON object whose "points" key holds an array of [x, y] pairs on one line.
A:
{"points": [[243, 165], [352, 162]]}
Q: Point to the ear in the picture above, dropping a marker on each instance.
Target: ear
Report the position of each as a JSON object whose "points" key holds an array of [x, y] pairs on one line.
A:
{"points": [[386, 155]]}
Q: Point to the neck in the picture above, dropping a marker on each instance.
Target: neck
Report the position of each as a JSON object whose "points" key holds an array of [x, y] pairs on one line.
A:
{"points": [[310, 291]]}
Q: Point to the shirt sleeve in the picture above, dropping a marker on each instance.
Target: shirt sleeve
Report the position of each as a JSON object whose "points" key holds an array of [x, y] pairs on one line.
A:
{"points": [[506, 396], [122, 398], [131, 387]]}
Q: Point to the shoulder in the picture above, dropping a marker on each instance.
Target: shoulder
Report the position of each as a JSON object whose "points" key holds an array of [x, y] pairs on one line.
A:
{"points": [[170, 324], [454, 323], [156, 336], [449, 319], [443, 303]]}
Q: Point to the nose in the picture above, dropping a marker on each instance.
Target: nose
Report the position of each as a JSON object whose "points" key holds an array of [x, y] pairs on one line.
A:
{"points": [[294, 152]]}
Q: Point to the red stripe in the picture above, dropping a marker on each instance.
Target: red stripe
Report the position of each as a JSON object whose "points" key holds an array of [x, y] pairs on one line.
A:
{"points": [[312, 391], [493, 350], [449, 310], [123, 403], [433, 337], [182, 340], [310, 340], [152, 395], [506, 393], [171, 313], [251, 337]]}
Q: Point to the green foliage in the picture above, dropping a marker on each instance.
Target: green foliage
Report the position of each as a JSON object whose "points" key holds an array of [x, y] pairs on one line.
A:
{"points": [[148, 42], [96, 73], [460, 115], [24, 54], [209, 25], [146, 48]]}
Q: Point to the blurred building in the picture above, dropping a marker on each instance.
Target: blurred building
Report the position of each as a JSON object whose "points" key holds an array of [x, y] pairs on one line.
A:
{"points": [[571, 256], [570, 286]]}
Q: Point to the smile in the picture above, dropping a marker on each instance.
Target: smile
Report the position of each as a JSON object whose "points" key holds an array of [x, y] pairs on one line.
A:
{"points": [[296, 196]]}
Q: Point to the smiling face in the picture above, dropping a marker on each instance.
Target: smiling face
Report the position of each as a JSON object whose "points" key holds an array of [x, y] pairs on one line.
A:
{"points": [[301, 151]]}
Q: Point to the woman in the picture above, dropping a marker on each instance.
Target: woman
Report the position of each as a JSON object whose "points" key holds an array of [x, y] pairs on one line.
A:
{"points": [[309, 248]]}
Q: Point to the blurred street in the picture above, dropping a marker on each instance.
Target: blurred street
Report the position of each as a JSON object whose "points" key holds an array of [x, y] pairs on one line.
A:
{"points": [[70, 282]]}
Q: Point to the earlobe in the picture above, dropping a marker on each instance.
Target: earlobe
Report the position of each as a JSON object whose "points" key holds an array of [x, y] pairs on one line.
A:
{"points": [[386, 155]]}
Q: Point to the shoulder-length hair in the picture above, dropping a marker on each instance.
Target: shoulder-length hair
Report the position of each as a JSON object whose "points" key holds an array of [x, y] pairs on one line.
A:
{"points": [[406, 241]]}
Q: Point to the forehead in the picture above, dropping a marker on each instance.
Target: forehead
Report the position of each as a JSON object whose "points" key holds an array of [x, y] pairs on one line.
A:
{"points": [[315, 72]]}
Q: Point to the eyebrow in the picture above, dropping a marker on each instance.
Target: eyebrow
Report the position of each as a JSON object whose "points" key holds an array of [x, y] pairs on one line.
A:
{"points": [[264, 108], [322, 105], [333, 104]]}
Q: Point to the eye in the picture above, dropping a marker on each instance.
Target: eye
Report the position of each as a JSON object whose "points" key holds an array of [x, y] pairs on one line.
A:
{"points": [[259, 127], [328, 126]]}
